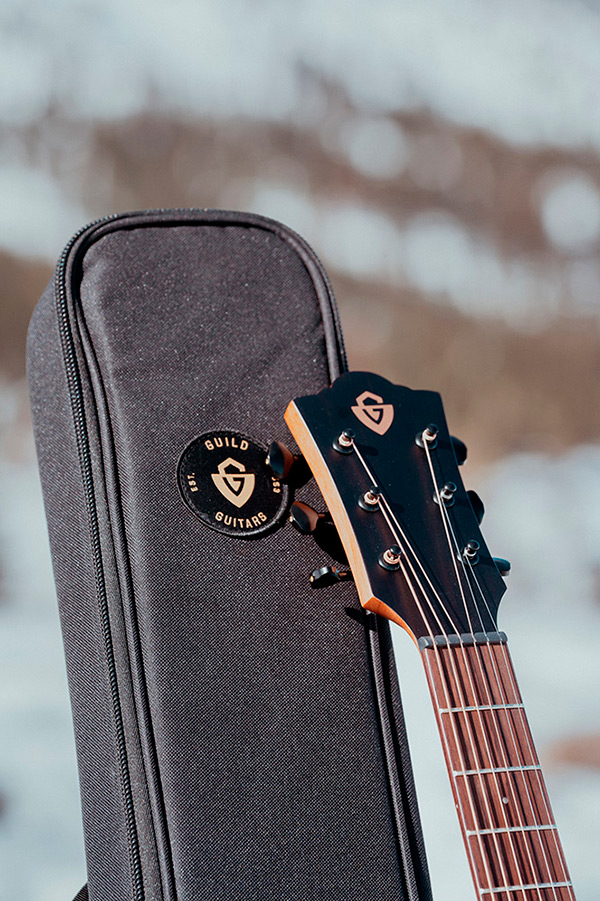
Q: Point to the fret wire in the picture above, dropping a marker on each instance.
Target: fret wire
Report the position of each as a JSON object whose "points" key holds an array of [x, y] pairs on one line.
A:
{"points": [[444, 737], [540, 780], [449, 529], [552, 865], [545, 827], [524, 888], [497, 769], [475, 834], [482, 707], [529, 741]]}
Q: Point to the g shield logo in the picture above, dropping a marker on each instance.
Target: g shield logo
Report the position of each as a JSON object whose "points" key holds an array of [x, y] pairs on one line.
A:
{"points": [[372, 412], [236, 486], [224, 480]]}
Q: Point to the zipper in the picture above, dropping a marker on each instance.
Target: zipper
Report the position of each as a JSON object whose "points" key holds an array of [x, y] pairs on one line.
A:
{"points": [[83, 448]]}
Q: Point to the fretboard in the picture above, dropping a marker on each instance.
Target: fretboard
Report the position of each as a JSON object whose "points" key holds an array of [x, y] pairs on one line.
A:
{"points": [[507, 823]]}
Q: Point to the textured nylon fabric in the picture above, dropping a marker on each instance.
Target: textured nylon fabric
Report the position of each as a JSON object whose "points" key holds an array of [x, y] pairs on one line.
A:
{"points": [[103, 815], [257, 757]]}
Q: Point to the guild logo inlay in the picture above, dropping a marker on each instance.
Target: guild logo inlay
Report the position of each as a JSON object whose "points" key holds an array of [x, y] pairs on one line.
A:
{"points": [[224, 480], [370, 409], [236, 486]]}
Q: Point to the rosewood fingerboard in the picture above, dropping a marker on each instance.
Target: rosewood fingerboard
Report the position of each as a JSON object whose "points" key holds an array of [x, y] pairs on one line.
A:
{"points": [[507, 824]]}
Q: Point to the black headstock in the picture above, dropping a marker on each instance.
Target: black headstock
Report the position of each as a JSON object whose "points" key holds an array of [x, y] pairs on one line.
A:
{"points": [[388, 470]]}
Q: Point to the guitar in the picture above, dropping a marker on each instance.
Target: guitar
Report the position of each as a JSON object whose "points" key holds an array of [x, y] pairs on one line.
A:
{"points": [[388, 471]]}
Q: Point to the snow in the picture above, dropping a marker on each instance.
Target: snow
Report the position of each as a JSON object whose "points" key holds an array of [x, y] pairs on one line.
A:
{"points": [[543, 513], [432, 252], [41, 846], [570, 209], [36, 219], [531, 84], [375, 146], [528, 73]]}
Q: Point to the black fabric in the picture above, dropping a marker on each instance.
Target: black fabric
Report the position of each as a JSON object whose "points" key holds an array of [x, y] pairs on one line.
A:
{"points": [[72, 557], [264, 746], [82, 894]]}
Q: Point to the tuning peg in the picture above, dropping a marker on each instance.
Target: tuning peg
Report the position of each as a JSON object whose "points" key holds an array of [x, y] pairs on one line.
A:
{"points": [[308, 522], [503, 565], [329, 575], [305, 519], [286, 466], [280, 460], [477, 505], [460, 449]]}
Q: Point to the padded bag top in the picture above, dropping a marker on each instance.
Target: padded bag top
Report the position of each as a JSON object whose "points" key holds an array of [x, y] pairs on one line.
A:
{"points": [[239, 735]]}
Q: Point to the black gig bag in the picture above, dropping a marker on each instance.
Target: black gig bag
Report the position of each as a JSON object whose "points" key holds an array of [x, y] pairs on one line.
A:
{"points": [[239, 735]]}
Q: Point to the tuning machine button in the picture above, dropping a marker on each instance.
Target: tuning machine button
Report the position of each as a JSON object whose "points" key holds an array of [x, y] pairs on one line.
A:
{"points": [[326, 576], [459, 448], [477, 505], [503, 565], [305, 519], [287, 466], [308, 522]]}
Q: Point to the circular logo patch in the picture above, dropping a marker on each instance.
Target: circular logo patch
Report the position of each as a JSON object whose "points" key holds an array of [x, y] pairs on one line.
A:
{"points": [[224, 480]]}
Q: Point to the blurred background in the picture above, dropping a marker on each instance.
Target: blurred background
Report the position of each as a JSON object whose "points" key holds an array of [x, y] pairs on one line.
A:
{"points": [[443, 158]]}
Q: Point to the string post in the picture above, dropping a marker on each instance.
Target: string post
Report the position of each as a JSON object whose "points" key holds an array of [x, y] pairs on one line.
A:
{"points": [[390, 558], [471, 551], [344, 443], [370, 499], [447, 494], [428, 437]]}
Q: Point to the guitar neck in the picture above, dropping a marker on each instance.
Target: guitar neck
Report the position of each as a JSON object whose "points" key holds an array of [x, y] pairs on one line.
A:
{"points": [[505, 816]]}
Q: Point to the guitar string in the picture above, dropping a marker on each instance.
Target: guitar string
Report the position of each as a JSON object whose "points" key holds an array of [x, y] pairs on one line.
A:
{"points": [[529, 742], [444, 510], [448, 704], [519, 713], [526, 731], [492, 658], [466, 569], [437, 654], [456, 555]]}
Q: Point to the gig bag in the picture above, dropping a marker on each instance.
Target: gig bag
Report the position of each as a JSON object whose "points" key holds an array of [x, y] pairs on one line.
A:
{"points": [[239, 735]]}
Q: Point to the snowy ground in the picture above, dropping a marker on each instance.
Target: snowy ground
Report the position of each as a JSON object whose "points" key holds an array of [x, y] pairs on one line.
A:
{"points": [[41, 848], [543, 514]]}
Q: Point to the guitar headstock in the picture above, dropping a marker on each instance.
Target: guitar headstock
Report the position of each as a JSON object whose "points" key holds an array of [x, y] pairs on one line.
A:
{"points": [[388, 471]]}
